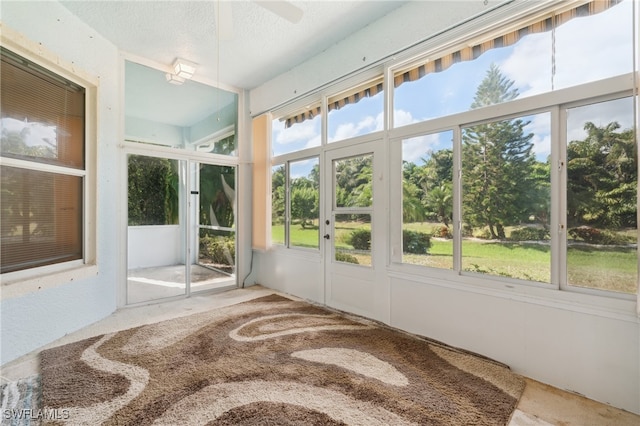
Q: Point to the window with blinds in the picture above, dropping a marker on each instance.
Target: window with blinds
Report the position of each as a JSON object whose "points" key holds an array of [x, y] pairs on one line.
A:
{"points": [[42, 166]]}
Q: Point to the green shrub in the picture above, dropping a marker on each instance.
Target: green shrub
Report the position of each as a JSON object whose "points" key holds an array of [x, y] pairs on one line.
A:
{"points": [[483, 234], [596, 236], [346, 257], [442, 231], [529, 233], [415, 242], [360, 239], [214, 248]]}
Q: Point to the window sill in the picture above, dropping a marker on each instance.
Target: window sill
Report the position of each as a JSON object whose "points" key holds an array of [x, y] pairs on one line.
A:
{"points": [[299, 252], [608, 307], [17, 285]]}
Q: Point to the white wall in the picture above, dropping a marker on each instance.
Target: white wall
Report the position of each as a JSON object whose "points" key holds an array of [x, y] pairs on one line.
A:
{"points": [[582, 343], [413, 22], [39, 317], [154, 245], [139, 129]]}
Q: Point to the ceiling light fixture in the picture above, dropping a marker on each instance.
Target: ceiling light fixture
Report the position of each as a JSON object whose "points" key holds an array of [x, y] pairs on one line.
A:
{"points": [[174, 79], [184, 69]]}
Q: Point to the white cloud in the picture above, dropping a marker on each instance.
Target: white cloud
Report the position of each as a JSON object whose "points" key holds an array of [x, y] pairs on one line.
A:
{"points": [[414, 149], [402, 118], [302, 168], [586, 49], [296, 133], [600, 114], [540, 126], [349, 130]]}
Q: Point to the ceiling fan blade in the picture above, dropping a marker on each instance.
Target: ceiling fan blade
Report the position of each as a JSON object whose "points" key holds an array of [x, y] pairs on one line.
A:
{"points": [[224, 19], [284, 9]]}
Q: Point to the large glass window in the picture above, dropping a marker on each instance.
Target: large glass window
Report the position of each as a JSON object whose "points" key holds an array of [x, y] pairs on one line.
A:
{"points": [[356, 112], [506, 198], [295, 203], [188, 117], [278, 203], [427, 200], [602, 205], [295, 133], [576, 46], [43, 171]]}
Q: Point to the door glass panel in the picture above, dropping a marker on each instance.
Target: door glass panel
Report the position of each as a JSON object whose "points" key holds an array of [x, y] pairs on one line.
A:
{"points": [[354, 181], [602, 179], [156, 231], [352, 238], [214, 263]]}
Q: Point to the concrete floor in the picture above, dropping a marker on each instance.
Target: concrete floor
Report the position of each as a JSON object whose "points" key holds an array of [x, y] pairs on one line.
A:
{"points": [[540, 405], [148, 284]]}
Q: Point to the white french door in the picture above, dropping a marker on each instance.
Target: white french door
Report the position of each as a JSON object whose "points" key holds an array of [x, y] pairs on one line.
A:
{"points": [[354, 230], [181, 233]]}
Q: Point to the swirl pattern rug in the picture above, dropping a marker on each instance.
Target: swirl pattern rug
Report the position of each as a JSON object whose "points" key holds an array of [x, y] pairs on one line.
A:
{"points": [[273, 361]]}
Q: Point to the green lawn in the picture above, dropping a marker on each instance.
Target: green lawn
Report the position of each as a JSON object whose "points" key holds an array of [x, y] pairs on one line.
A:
{"points": [[608, 268]]}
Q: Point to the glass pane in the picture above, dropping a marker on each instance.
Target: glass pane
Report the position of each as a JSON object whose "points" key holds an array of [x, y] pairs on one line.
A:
{"points": [[224, 145], [192, 116], [286, 138], [354, 181], [602, 178], [594, 47], [506, 198], [471, 84], [305, 198], [354, 114], [277, 204], [156, 235], [153, 184], [42, 114], [41, 218], [352, 238], [217, 252], [427, 200], [217, 195], [586, 45]]}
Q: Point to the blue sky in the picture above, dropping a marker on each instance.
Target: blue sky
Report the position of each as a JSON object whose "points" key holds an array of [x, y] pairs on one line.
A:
{"points": [[580, 44]]}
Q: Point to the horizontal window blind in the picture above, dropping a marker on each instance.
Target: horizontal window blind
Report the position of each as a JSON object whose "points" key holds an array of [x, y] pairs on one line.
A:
{"points": [[43, 125]]}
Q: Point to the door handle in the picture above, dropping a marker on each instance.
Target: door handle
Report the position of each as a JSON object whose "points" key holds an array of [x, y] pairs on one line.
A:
{"points": [[326, 236]]}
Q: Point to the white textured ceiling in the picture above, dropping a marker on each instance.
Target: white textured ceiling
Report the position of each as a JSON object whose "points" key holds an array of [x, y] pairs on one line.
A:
{"points": [[263, 44]]}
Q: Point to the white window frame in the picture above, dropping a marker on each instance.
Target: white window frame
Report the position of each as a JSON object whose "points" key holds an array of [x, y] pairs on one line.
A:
{"points": [[19, 283], [555, 102], [288, 159]]}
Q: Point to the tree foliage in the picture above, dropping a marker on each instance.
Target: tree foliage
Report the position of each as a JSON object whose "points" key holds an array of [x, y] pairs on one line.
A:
{"points": [[152, 191], [497, 164], [602, 178]]}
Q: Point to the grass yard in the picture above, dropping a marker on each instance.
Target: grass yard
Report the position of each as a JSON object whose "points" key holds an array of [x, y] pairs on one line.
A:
{"points": [[606, 268]]}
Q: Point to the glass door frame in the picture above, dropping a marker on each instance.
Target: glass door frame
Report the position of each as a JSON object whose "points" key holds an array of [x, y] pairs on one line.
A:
{"points": [[190, 158], [194, 244], [363, 290]]}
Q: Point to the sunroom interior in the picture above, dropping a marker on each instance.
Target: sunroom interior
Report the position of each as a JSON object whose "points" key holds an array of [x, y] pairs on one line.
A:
{"points": [[465, 171]]}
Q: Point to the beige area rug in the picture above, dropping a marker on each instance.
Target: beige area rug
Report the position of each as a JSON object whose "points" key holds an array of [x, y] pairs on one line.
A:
{"points": [[273, 361]]}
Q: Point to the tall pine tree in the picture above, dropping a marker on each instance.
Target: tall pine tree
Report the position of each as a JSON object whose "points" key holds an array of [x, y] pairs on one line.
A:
{"points": [[497, 163]]}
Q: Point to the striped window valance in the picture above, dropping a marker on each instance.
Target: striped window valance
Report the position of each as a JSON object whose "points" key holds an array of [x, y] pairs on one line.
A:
{"points": [[467, 53], [351, 96], [470, 53], [300, 116]]}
